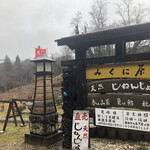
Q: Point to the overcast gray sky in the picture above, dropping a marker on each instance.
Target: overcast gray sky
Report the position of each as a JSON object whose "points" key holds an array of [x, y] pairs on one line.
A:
{"points": [[25, 24]]}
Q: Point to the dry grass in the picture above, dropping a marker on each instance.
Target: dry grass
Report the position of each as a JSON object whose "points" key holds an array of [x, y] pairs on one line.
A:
{"points": [[13, 139], [25, 113]]}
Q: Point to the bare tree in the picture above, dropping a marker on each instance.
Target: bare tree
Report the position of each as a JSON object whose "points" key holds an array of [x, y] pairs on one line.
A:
{"points": [[99, 15], [75, 22], [99, 21], [130, 12], [67, 53]]}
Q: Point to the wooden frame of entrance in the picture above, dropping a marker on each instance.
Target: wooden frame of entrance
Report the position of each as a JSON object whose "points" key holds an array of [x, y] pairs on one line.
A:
{"points": [[118, 36]]}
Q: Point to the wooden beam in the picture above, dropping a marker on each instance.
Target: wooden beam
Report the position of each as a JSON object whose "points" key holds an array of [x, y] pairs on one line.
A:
{"points": [[110, 59], [119, 85], [129, 33], [119, 100]]}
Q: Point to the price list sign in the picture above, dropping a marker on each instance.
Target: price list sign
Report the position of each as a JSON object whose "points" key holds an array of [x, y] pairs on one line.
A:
{"points": [[137, 120], [109, 117], [126, 119]]}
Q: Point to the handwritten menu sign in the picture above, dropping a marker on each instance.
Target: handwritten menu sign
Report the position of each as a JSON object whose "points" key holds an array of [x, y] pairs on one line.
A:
{"points": [[126, 119], [80, 130]]}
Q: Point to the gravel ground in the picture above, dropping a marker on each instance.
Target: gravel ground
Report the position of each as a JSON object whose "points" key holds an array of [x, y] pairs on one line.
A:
{"points": [[107, 144], [96, 144]]}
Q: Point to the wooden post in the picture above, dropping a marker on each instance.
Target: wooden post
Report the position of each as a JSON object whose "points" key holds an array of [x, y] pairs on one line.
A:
{"points": [[19, 113], [13, 113], [80, 55], [8, 114], [120, 49]]}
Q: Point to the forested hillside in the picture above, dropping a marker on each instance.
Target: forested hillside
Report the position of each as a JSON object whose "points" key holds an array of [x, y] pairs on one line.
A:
{"points": [[14, 74], [19, 73]]}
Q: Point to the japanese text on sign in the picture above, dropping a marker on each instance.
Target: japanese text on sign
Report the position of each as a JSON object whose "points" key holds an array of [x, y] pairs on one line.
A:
{"points": [[126, 70], [127, 119], [80, 130], [131, 85]]}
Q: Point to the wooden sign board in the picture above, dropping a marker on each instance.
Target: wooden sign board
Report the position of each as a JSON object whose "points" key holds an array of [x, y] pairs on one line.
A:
{"points": [[125, 119], [80, 130], [119, 85], [125, 70], [119, 100]]}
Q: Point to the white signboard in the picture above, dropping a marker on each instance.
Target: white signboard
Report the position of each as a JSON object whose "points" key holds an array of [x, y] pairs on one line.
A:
{"points": [[127, 119], [109, 117], [80, 130]]}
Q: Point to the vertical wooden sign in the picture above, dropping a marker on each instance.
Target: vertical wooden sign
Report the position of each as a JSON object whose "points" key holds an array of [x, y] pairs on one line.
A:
{"points": [[80, 130]]}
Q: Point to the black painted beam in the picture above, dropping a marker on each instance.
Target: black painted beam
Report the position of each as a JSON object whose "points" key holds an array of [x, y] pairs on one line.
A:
{"points": [[110, 59], [129, 33]]}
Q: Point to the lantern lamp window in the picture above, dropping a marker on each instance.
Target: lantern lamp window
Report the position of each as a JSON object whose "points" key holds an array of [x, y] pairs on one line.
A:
{"points": [[48, 66], [40, 67]]}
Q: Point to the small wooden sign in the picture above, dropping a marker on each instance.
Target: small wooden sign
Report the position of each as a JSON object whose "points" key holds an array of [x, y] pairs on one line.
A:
{"points": [[126, 119], [119, 85], [119, 100], [124, 70], [80, 130]]}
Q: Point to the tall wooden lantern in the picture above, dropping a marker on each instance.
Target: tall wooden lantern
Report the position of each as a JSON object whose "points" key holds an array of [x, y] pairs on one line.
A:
{"points": [[43, 120]]}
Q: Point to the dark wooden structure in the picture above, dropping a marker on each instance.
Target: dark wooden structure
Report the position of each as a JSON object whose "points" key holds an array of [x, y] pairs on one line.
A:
{"points": [[12, 103], [81, 43]]}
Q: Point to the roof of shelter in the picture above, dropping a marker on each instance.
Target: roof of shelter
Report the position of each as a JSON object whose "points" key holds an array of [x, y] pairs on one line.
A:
{"points": [[111, 36]]}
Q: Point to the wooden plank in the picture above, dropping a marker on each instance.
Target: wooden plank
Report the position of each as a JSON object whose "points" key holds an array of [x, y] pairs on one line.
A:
{"points": [[39, 104], [50, 109], [7, 116], [120, 49], [48, 77], [80, 55], [19, 113], [41, 77], [124, 70], [40, 83], [38, 110], [39, 97], [131, 33], [114, 59], [49, 103], [39, 91], [14, 116], [119, 85], [119, 100], [110, 59], [49, 96], [48, 89], [48, 82]]}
